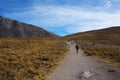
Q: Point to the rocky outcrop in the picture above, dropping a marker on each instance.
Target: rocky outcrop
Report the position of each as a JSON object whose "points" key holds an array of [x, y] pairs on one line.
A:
{"points": [[14, 29]]}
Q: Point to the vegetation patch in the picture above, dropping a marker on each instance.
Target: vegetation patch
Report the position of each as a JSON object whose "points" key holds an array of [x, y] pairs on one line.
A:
{"points": [[108, 54], [29, 59]]}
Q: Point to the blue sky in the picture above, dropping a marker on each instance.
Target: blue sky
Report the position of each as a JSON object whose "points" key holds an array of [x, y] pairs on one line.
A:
{"points": [[64, 17]]}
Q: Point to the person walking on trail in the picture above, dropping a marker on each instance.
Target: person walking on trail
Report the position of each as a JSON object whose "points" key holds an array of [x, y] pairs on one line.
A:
{"points": [[77, 48]]}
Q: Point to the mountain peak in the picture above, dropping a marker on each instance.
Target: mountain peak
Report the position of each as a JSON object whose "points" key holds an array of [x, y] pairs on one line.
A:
{"points": [[14, 29]]}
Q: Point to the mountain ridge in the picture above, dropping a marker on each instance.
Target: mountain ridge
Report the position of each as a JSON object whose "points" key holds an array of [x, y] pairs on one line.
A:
{"points": [[13, 29], [109, 35]]}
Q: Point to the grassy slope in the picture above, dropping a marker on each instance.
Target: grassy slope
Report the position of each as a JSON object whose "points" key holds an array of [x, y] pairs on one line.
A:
{"points": [[104, 36], [110, 36], [23, 59]]}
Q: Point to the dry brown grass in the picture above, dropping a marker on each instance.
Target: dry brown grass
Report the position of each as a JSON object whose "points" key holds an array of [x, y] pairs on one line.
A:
{"points": [[110, 55], [33, 59], [104, 36]]}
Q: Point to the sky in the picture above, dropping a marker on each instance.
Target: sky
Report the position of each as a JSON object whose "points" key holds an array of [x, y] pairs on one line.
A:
{"points": [[64, 17]]}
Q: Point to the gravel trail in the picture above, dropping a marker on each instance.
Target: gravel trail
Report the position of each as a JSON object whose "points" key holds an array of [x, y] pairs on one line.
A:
{"points": [[80, 67]]}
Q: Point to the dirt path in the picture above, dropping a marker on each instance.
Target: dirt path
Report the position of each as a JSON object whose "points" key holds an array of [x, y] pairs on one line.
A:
{"points": [[80, 67]]}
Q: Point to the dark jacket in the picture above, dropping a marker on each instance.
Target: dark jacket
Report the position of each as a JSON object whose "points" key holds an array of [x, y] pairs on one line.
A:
{"points": [[77, 47]]}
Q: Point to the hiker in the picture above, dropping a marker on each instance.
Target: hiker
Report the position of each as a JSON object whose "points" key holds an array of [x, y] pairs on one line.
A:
{"points": [[77, 48]]}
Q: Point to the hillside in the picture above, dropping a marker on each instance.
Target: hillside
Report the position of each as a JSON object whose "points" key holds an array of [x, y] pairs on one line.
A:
{"points": [[14, 29], [105, 36]]}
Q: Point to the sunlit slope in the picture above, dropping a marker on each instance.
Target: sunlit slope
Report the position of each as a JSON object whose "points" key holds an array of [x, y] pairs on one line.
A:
{"points": [[107, 36]]}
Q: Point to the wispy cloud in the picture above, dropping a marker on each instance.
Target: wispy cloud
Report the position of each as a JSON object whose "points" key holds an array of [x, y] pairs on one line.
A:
{"points": [[108, 3], [68, 19]]}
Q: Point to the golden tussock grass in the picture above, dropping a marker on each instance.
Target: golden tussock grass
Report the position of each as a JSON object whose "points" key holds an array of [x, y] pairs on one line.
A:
{"points": [[109, 55], [29, 59]]}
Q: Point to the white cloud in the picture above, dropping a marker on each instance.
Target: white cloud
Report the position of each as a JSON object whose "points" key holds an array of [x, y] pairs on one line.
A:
{"points": [[75, 19], [108, 3]]}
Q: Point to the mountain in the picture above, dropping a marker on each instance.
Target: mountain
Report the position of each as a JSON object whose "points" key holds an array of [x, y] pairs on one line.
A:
{"points": [[14, 29], [105, 36]]}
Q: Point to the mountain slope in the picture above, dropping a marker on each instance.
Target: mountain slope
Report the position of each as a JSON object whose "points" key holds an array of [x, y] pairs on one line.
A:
{"points": [[108, 36], [14, 29]]}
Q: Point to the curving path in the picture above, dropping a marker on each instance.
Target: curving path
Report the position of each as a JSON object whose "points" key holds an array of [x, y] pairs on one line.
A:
{"points": [[80, 67]]}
